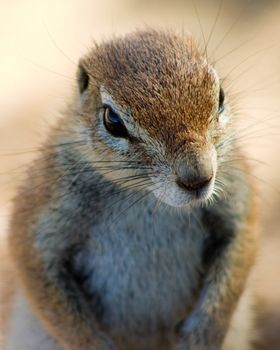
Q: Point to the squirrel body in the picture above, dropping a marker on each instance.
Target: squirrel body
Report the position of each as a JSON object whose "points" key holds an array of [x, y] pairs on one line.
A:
{"points": [[117, 240]]}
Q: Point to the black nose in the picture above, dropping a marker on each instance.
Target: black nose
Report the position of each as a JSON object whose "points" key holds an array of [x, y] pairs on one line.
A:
{"points": [[193, 186], [194, 178]]}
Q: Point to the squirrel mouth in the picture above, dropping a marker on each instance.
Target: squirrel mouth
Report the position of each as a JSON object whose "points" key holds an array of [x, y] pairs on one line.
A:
{"points": [[178, 194]]}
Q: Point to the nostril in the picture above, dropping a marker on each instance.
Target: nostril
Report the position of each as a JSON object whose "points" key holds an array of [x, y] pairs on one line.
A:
{"points": [[192, 186]]}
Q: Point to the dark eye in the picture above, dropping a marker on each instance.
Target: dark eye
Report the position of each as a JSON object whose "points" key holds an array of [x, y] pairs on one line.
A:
{"points": [[113, 123], [221, 100]]}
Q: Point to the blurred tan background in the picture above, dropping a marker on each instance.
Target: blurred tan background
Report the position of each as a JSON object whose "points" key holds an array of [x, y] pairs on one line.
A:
{"points": [[41, 42]]}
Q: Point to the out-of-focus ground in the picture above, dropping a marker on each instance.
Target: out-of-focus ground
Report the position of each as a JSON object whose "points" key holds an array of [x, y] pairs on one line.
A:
{"points": [[41, 42]]}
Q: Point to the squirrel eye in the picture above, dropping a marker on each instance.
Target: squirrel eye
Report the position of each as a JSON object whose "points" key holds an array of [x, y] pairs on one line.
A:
{"points": [[113, 123], [221, 100]]}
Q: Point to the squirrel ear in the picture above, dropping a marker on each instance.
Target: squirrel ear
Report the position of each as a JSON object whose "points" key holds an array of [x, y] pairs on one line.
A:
{"points": [[83, 78]]}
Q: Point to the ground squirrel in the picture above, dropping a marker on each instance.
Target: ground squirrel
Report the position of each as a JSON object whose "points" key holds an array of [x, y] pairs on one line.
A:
{"points": [[135, 228]]}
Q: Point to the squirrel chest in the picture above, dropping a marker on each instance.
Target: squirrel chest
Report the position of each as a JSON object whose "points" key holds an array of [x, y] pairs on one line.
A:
{"points": [[141, 272]]}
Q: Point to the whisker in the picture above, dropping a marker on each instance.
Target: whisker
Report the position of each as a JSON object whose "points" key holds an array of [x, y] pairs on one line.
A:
{"points": [[255, 177], [228, 32], [49, 70], [201, 29], [55, 44], [265, 49], [221, 3], [232, 51], [14, 152]]}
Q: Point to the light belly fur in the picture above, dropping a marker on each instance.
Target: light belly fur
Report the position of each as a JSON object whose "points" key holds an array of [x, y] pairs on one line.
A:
{"points": [[145, 269]]}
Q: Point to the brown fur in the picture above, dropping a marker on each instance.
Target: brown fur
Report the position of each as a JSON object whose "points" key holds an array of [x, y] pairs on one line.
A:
{"points": [[7, 289], [178, 85]]}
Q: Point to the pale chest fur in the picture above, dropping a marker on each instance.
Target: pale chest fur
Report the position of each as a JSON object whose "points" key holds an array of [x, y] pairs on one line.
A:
{"points": [[141, 271]]}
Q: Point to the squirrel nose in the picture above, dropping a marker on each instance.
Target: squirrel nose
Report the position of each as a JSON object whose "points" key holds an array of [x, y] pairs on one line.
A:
{"points": [[194, 178]]}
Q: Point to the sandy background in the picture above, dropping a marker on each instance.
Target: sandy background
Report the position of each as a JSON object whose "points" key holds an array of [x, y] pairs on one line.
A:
{"points": [[41, 42]]}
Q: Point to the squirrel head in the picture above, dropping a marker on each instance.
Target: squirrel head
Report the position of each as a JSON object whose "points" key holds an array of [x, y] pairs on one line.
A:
{"points": [[152, 102]]}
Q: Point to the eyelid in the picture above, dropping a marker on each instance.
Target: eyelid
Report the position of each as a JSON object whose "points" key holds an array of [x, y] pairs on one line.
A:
{"points": [[107, 105], [124, 115]]}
